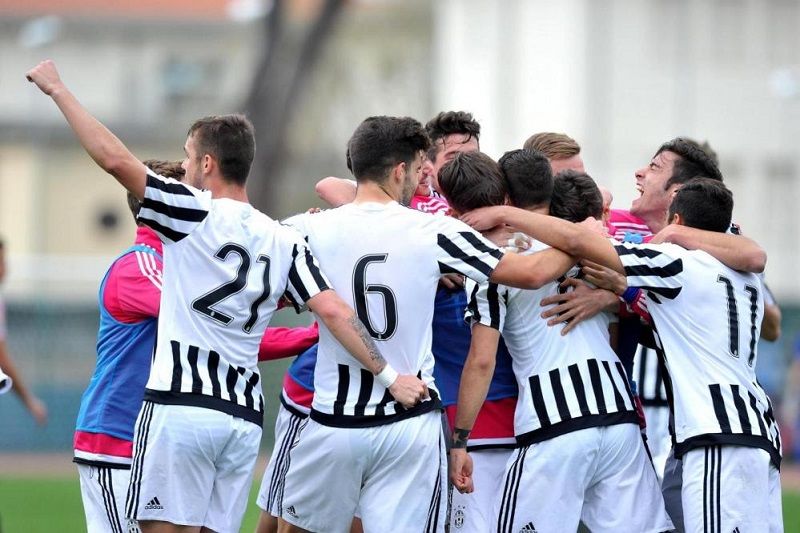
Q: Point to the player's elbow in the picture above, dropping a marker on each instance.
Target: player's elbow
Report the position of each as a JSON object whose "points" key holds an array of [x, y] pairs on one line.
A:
{"points": [[771, 324], [480, 363], [757, 261]]}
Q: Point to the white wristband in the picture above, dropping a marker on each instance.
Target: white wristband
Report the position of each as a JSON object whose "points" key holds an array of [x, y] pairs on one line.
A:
{"points": [[387, 376]]}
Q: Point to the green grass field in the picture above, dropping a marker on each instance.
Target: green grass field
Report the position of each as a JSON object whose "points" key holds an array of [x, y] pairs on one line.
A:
{"points": [[45, 505], [39, 505]]}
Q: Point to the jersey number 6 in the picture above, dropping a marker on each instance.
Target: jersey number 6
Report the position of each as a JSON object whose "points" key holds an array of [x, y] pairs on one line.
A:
{"points": [[360, 291]]}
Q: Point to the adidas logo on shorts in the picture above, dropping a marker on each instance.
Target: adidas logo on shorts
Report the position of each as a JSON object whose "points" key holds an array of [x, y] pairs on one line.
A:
{"points": [[528, 528], [153, 504], [290, 511]]}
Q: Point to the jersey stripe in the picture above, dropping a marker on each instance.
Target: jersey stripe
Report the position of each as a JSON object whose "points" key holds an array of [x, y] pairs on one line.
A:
{"points": [[464, 257], [719, 408]]}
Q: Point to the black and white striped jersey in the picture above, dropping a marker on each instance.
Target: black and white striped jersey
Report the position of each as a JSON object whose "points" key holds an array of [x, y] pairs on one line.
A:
{"points": [[385, 260], [649, 377], [566, 382], [707, 319], [226, 265]]}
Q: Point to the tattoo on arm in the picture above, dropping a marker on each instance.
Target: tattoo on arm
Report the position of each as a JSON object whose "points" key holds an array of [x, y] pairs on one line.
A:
{"points": [[374, 354], [460, 437]]}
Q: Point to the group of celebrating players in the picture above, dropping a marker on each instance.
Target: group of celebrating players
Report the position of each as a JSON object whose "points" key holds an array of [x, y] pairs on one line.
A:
{"points": [[507, 294]]}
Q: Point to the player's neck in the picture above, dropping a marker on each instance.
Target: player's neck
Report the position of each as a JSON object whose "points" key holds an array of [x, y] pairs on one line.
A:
{"points": [[372, 192], [221, 189], [655, 222]]}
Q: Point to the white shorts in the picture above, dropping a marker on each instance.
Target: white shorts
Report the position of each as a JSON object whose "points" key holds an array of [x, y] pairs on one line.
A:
{"points": [[103, 492], [393, 475], [659, 440], [474, 512], [730, 488], [601, 476], [192, 466], [287, 429]]}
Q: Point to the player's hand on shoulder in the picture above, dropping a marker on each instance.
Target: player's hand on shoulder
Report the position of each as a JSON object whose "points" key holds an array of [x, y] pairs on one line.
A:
{"points": [[484, 218], [409, 390], [604, 277], [573, 307], [45, 76], [668, 234], [595, 225], [461, 470]]}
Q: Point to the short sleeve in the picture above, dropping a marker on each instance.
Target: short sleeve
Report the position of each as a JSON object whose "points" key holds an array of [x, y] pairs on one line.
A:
{"points": [[486, 304], [654, 268], [172, 209], [306, 280], [462, 250]]}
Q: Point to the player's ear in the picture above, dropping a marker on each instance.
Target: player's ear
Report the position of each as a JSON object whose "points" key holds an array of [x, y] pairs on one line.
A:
{"points": [[208, 163], [677, 219]]}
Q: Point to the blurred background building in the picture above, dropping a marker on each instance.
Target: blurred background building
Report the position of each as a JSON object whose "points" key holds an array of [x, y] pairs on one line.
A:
{"points": [[620, 76]]}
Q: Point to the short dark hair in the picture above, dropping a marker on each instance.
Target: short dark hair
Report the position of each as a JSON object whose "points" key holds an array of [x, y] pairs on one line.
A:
{"points": [[230, 139], [529, 178], [472, 180], [575, 197], [693, 161], [380, 143], [553, 145], [168, 169], [703, 203], [450, 122]]}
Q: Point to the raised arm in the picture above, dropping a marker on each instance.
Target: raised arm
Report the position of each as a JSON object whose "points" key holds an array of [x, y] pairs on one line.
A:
{"points": [[734, 251], [102, 145]]}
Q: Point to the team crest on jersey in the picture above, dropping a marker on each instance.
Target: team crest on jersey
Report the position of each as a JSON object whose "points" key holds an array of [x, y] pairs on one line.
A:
{"points": [[458, 517]]}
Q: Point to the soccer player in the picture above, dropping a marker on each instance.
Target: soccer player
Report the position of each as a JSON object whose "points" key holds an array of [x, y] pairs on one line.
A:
{"points": [[357, 439], [451, 133], [575, 421], [226, 266], [12, 376], [562, 150], [130, 295], [706, 321]]}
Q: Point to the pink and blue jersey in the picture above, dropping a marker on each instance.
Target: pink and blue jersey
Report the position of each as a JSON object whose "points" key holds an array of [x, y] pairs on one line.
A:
{"points": [[129, 301]]}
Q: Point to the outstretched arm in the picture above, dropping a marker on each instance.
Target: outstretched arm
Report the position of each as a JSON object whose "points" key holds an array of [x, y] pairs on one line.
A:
{"points": [[734, 251], [532, 271], [342, 321], [102, 145], [573, 239]]}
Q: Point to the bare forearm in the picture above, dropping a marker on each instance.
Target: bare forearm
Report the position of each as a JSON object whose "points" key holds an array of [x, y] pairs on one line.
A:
{"points": [[572, 239], [735, 251], [354, 337], [477, 375], [102, 146], [472, 391]]}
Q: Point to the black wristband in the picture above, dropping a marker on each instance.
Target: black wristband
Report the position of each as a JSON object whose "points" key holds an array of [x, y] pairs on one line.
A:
{"points": [[460, 437]]}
